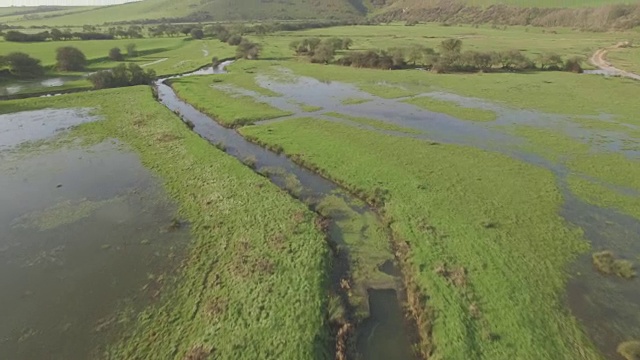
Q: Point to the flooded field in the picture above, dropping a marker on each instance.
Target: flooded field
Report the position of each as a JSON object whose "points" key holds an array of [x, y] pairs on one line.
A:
{"points": [[86, 237], [606, 305], [35, 85]]}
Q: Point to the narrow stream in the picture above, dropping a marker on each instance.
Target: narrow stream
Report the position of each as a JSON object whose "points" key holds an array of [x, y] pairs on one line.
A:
{"points": [[384, 332]]}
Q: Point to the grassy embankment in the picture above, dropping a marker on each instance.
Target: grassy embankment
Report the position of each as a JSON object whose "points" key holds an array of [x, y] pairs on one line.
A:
{"points": [[243, 292]]}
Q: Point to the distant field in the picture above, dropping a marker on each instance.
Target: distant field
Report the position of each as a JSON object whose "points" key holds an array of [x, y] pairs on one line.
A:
{"points": [[165, 55], [520, 3], [532, 41]]}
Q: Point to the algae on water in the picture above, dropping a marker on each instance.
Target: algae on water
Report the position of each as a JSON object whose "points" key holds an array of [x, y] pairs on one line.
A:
{"points": [[63, 213]]}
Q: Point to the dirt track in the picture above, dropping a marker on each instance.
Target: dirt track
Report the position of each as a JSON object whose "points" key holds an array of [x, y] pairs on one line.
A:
{"points": [[599, 59]]}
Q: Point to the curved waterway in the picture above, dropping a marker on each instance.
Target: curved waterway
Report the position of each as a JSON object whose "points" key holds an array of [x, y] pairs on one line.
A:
{"points": [[385, 332]]}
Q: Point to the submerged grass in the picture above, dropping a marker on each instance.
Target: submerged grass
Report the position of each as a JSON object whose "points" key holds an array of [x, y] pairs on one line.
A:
{"points": [[441, 206], [630, 350], [606, 263], [453, 109], [378, 124], [205, 93], [243, 292]]}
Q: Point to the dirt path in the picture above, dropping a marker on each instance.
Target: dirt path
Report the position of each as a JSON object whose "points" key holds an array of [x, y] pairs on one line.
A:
{"points": [[599, 59], [154, 62]]}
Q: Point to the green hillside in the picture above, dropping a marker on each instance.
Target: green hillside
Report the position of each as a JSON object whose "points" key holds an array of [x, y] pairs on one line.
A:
{"points": [[513, 12]]}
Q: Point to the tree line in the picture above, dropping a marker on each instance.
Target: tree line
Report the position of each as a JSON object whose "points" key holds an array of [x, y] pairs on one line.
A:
{"points": [[88, 33], [449, 58], [68, 58]]}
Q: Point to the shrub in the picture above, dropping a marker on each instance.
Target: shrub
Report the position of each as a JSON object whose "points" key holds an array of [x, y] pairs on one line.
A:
{"points": [[122, 75], [197, 33], [115, 54], [70, 59], [22, 65], [234, 40], [248, 50], [573, 64]]}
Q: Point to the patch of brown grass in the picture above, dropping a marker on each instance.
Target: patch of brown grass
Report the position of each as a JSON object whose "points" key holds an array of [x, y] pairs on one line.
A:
{"points": [[630, 350], [606, 263], [198, 352]]}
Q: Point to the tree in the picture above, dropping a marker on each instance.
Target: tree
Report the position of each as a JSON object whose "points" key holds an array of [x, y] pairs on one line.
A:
{"points": [[122, 75], [515, 60], [186, 30], [248, 50], [234, 40], [70, 59], [115, 54], [197, 33], [22, 65], [131, 50], [451, 45], [215, 62], [397, 56], [56, 34]]}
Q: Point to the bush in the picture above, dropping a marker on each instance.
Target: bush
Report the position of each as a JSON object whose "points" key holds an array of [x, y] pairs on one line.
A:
{"points": [[70, 59], [248, 50], [574, 65], [122, 75], [17, 36], [22, 65], [234, 40], [196, 33], [115, 54]]}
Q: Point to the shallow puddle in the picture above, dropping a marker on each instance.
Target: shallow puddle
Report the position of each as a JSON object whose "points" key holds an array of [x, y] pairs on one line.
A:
{"points": [[85, 239], [35, 85]]}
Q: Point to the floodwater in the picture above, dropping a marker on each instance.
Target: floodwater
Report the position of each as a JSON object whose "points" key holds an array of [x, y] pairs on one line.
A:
{"points": [[35, 84], [389, 332], [607, 306], [84, 239]]}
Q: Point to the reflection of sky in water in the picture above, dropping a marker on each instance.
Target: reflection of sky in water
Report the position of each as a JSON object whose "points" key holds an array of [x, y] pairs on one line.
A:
{"points": [[17, 128]]}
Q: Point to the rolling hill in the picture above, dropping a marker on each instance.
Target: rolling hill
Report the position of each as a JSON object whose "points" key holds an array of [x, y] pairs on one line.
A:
{"points": [[582, 13]]}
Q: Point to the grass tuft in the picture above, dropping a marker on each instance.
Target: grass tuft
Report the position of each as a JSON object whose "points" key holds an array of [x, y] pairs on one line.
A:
{"points": [[630, 350], [606, 263]]}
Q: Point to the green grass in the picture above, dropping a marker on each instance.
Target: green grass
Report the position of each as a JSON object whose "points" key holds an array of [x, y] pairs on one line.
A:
{"points": [[208, 95], [453, 109], [603, 196], [246, 291], [453, 207], [354, 101], [626, 59], [377, 124], [181, 55]]}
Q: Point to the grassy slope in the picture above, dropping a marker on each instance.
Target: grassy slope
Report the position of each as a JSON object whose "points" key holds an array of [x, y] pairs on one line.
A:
{"points": [[246, 291], [519, 3], [440, 205]]}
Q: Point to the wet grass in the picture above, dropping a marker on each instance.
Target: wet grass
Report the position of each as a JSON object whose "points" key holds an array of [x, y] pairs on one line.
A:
{"points": [[630, 350], [243, 292], [606, 263], [500, 229], [604, 196], [206, 94], [378, 124], [354, 101], [453, 109]]}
